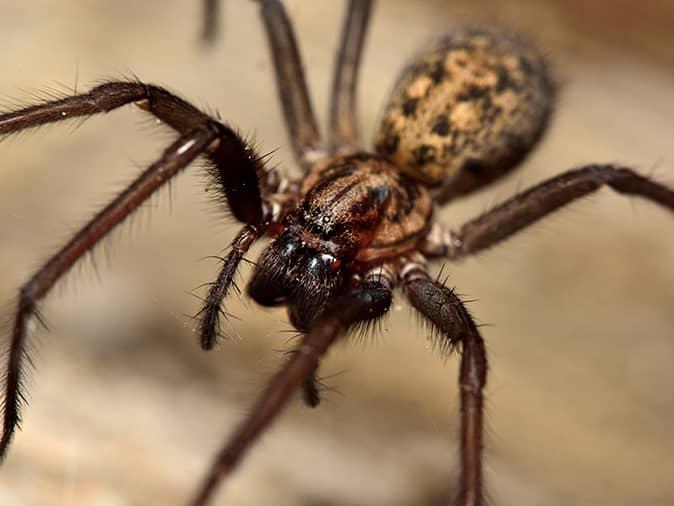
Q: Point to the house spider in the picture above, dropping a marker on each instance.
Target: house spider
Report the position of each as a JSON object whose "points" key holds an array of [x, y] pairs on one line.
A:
{"points": [[358, 224]]}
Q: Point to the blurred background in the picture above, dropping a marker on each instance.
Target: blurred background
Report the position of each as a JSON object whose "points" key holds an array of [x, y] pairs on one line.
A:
{"points": [[579, 311]]}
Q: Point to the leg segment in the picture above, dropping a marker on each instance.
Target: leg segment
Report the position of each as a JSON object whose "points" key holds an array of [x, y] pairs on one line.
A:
{"points": [[176, 157], [447, 313], [343, 124], [210, 313], [210, 20], [369, 301], [528, 207], [292, 87], [310, 394], [235, 165]]}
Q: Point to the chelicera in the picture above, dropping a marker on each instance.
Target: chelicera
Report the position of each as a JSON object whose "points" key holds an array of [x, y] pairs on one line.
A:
{"points": [[358, 223]]}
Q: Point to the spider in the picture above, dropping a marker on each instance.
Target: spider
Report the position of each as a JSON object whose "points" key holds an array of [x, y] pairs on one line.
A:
{"points": [[359, 223]]}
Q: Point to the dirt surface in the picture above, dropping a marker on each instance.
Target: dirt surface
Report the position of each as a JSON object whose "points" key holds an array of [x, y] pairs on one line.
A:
{"points": [[126, 410]]}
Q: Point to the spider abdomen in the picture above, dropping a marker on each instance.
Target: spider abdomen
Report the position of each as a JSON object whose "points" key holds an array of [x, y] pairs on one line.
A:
{"points": [[467, 110]]}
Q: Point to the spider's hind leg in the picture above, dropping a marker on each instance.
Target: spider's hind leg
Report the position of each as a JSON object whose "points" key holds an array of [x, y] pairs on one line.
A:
{"points": [[343, 132], [291, 84]]}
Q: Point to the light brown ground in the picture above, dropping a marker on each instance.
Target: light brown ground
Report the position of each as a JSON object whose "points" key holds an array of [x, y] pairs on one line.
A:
{"points": [[126, 410]]}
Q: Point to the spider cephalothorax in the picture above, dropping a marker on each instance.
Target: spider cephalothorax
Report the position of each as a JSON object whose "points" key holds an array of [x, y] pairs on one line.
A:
{"points": [[355, 210], [357, 224]]}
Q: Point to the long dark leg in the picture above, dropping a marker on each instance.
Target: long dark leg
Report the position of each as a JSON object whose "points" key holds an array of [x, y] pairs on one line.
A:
{"points": [[210, 20], [310, 391], [524, 209], [176, 157], [211, 312], [343, 124], [292, 87], [447, 313], [371, 300], [236, 166]]}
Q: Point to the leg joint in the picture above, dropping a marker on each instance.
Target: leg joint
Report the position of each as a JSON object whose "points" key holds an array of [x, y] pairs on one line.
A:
{"points": [[607, 174], [114, 94], [473, 364]]}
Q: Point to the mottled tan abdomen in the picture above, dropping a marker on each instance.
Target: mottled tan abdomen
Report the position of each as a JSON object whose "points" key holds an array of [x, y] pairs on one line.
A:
{"points": [[467, 110]]}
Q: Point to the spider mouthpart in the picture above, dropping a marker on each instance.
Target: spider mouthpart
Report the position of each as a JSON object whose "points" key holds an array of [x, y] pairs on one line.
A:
{"points": [[291, 273]]}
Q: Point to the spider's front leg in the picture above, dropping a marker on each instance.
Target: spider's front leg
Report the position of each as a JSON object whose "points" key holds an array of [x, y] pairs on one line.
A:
{"points": [[446, 312], [235, 167], [175, 158], [369, 301]]}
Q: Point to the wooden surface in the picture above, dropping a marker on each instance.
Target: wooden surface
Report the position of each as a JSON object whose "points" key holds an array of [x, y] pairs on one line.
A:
{"points": [[580, 310]]}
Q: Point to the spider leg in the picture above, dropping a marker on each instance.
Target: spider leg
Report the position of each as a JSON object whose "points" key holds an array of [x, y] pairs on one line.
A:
{"points": [[291, 85], [343, 132], [175, 157], [209, 30], [310, 391], [235, 165], [529, 206], [448, 315], [369, 301], [210, 313]]}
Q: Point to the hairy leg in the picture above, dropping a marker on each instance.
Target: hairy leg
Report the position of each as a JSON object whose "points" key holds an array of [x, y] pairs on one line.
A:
{"points": [[310, 389], [529, 206], [369, 301], [176, 157], [449, 316], [235, 165], [343, 124], [211, 312], [291, 84]]}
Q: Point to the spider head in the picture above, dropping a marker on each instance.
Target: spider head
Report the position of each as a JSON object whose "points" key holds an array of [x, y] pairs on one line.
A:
{"points": [[290, 272]]}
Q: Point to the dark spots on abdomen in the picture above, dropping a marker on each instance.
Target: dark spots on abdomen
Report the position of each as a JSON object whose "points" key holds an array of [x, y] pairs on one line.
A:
{"points": [[423, 154], [441, 126], [437, 72], [410, 106], [471, 93]]}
